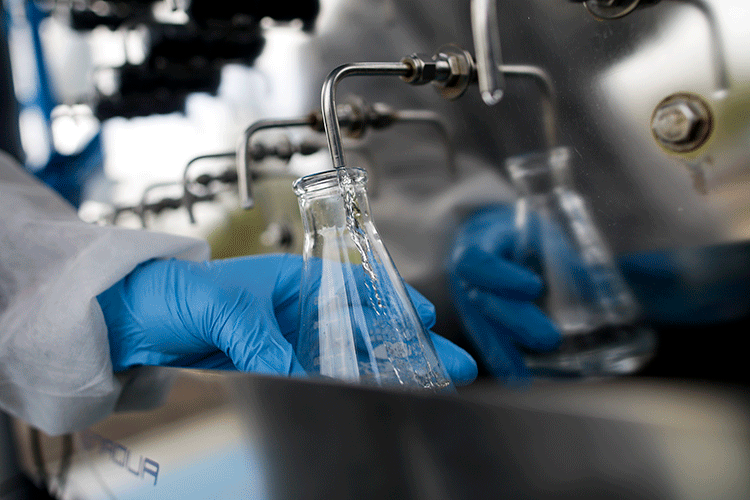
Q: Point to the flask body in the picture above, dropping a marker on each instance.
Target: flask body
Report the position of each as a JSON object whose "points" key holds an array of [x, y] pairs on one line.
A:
{"points": [[585, 294], [357, 321]]}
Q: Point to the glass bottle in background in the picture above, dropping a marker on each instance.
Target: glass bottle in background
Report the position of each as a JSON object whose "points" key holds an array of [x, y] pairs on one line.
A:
{"points": [[357, 321], [584, 294]]}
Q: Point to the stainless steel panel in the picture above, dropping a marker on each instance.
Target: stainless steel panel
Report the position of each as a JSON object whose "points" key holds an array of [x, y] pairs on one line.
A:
{"points": [[230, 435], [610, 76]]}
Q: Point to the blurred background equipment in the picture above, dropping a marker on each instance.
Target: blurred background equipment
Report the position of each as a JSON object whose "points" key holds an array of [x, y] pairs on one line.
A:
{"points": [[184, 45], [89, 61]]}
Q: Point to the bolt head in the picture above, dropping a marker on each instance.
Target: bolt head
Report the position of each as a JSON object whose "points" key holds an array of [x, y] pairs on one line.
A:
{"points": [[682, 122], [461, 67], [675, 122]]}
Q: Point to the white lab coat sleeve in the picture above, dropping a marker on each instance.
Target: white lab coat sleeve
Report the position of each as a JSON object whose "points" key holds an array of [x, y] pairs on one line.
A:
{"points": [[55, 369]]}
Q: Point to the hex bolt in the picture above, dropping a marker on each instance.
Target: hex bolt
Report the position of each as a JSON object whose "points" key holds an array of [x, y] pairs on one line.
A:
{"points": [[681, 123], [461, 71], [675, 122]]}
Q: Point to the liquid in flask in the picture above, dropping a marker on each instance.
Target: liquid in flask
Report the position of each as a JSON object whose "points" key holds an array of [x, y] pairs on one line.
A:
{"points": [[603, 331], [357, 321]]}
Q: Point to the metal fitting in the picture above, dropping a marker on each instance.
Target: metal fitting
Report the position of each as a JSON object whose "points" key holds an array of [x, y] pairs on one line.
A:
{"points": [[605, 3], [316, 121], [451, 70], [283, 149], [244, 152], [682, 123], [381, 115], [610, 9], [423, 69], [356, 116], [461, 71]]}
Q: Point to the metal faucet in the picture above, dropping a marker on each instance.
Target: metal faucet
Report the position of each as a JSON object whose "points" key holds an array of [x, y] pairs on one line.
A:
{"points": [[451, 70], [355, 117]]}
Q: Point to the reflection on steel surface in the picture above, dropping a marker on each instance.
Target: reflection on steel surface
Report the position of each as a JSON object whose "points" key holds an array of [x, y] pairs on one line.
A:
{"points": [[227, 435]]}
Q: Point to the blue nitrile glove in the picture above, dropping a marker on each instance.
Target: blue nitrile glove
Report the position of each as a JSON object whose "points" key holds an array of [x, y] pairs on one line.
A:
{"points": [[224, 314], [691, 286], [494, 297]]}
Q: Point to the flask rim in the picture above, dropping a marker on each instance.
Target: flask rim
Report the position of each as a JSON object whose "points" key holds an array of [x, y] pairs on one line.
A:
{"points": [[528, 169], [327, 179]]}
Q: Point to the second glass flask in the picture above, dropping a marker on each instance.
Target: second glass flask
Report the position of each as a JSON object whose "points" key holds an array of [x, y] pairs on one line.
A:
{"points": [[357, 321], [586, 296]]}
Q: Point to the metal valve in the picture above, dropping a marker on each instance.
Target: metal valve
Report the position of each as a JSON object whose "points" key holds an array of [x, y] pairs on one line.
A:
{"points": [[357, 116], [451, 70]]}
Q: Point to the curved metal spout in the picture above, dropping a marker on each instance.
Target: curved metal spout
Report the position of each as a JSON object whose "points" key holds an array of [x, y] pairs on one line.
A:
{"points": [[244, 179], [189, 197], [607, 10], [328, 98], [142, 207], [550, 111], [721, 73], [486, 33]]}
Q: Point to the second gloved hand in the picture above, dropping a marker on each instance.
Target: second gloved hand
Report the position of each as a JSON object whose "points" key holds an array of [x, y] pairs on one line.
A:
{"points": [[495, 297], [224, 314]]}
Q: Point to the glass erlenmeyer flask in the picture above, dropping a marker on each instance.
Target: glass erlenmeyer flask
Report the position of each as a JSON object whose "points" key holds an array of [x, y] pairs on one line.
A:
{"points": [[585, 294], [357, 321]]}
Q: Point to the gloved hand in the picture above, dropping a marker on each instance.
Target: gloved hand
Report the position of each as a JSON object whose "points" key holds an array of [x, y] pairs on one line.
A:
{"points": [[224, 314], [494, 297], [691, 286]]}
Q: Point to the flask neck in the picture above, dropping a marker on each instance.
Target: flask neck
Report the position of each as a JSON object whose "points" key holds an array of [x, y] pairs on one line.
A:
{"points": [[540, 174], [326, 204]]}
